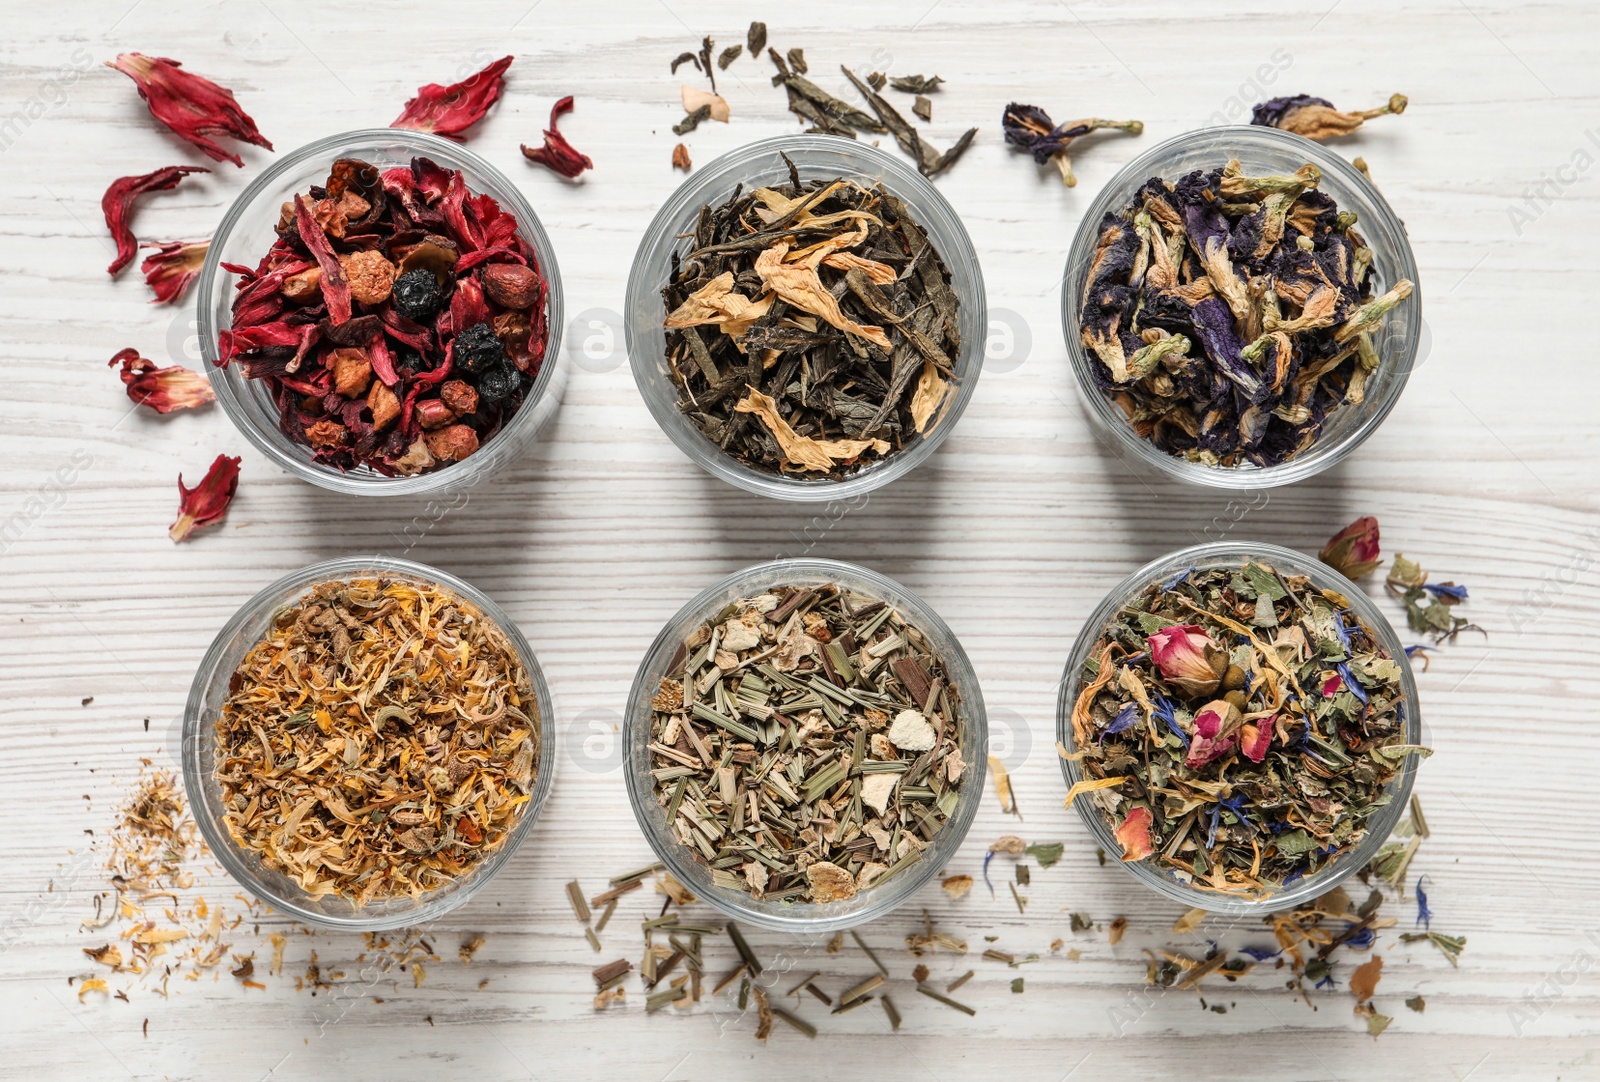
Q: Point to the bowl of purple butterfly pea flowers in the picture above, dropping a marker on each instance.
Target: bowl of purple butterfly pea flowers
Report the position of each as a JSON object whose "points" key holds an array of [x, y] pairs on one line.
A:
{"points": [[1241, 306]]}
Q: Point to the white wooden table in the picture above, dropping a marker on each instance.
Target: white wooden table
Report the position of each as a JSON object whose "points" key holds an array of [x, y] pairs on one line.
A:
{"points": [[1013, 531]]}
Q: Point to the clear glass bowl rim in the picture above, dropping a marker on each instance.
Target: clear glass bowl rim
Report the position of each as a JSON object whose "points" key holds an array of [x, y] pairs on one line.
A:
{"points": [[507, 445], [1227, 553], [272, 598], [713, 183], [1378, 219], [749, 581]]}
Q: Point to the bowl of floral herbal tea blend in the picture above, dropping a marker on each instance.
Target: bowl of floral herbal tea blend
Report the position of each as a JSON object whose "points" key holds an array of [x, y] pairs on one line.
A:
{"points": [[1242, 308], [1239, 724], [805, 745], [380, 312], [806, 318], [367, 743]]}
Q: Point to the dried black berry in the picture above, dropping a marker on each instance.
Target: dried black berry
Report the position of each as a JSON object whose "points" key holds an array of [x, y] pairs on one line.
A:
{"points": [[417, 294], [478, 349], [496, 385]]}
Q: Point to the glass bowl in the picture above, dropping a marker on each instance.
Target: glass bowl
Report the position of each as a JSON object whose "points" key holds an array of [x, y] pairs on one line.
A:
{"points": [[210, 690], [1261, 151], [244, 236], [874, 901], [758, 164], [1234, 554]]}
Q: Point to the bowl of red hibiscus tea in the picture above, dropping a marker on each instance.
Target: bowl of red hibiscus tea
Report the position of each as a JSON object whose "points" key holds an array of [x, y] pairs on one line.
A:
{"points": [[806, 318], [1239, 725], [805, 745], [1241, 307], [379, 312], [366, 743]]}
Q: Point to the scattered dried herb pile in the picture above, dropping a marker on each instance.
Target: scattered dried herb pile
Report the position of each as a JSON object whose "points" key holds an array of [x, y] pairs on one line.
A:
{"points": [[1230, 315], [811, 327], [806, 744], [1238, 727], [380, 741], [398, 320]]}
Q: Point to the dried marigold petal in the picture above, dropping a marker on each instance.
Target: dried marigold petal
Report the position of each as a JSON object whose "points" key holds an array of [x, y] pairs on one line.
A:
{"points": [[192, 106], [558, 154], [1134, 834], [162, 389], [174, 265], [207, 502], [451, 110], [117, 205]]}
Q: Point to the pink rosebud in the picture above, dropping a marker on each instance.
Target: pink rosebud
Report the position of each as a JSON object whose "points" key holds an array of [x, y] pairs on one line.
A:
{"points": [[173, 266], [1188, 659], [162, 389], [1353, 551], [207, 502], [1255, 740], [1134, 834], [1216, 733]]}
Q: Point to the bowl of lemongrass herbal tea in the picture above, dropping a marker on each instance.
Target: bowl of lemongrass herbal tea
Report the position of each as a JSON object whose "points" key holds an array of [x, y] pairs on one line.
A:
{"points": [[1239, 724], [805, 744], [366, 743], [806, 317]]}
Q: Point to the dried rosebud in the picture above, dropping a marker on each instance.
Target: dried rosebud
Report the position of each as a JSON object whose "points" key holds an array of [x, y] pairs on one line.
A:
{"points": [[452, 444], [1353, 551], [1216, 733], [680, 158], [192, 106], [326, 434], [1316, 118], [304, 286], [1030, 127], [352, 371], [1134, 834], [162, 389], [459, 395], [207, 502], [173, 266], [558, 154], [371, 276], [511, 285], [117, 205], [451, 110], [384, 404], [1188, 659], [433, 413]]}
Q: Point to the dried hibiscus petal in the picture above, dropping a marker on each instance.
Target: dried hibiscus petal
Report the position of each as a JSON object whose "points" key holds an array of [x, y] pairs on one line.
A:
{"points": [[451, 110], [117, 204], [207, 502], [558, 154], [192, 106], [162, 389], [173, 266]]}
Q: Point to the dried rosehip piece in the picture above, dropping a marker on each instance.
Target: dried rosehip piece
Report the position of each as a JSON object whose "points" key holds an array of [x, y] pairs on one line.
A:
{"points": [[392, 318]]}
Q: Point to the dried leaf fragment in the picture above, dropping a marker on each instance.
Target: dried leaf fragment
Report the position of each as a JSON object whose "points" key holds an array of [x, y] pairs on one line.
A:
{"points": [[803, 451]]}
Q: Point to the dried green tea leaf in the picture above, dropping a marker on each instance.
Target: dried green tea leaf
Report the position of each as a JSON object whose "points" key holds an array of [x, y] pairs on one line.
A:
{"points": [[916, 84]]}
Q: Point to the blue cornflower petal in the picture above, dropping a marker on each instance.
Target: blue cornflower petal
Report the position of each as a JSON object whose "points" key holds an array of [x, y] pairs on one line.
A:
{"points": [[1448, 589], [1122, 722], [1352, 683], [1419, 648], [1362, 939], [1342, 631], [1328, 982], [1260, 954], [1424, 914], [1165, 711], [1172, 582]]}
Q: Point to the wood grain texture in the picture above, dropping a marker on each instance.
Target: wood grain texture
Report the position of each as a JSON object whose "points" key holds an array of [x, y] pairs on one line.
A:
{"points": [[1013, 531]]}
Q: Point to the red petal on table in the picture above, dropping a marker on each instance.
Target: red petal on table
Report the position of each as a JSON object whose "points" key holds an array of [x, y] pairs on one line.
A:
{"points": [[117, 204], [451, 110], [191, 105], [207, 502], [557, 153], [1134, 834], [335, 287], [162, 389], [173, 266]]}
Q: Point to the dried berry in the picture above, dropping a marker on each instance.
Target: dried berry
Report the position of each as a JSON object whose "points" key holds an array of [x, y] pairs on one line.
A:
{"points": [[417, 295], [478, 349], [496, 385], [511, 285]]}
